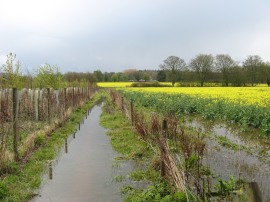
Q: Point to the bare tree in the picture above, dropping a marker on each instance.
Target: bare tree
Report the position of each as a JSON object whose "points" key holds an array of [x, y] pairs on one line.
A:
{"points": [[12, 76], [174, 65], [252, 64], [224, 64], [202, 65]]}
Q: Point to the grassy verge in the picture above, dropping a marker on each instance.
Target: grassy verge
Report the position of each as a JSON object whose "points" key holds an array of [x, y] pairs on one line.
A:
{"points": [[23, 180], [125, 141]]}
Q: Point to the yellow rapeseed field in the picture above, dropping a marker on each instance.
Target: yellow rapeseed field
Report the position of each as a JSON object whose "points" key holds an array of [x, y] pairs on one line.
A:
{"points": [[114, 84], [120, 84], [259, 96]]}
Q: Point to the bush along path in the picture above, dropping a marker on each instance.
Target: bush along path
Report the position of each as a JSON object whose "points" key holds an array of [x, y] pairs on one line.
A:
{"points": [[21, 180], [132, 147]]}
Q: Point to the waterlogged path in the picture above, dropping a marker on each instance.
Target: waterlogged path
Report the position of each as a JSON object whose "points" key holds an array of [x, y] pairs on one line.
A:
{"points": [[86, 172]]}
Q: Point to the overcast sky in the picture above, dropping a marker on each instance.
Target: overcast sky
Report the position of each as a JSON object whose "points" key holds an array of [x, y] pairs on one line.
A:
{"points": [[113, 35]]}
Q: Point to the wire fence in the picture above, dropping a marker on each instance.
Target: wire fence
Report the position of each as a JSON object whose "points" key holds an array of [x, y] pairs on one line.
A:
{"points": [[26, 113], [155, 130]]}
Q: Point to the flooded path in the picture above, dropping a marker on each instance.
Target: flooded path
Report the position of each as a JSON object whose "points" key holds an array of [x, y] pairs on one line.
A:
{"points": [[86, 172]]}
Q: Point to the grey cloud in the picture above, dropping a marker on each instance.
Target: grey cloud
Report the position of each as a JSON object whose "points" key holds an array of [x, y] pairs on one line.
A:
{"points": [[115, 35]]}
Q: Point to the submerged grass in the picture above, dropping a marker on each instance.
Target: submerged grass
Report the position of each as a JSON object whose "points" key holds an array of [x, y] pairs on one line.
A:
{"points": [[125, 141], [25, 179]]}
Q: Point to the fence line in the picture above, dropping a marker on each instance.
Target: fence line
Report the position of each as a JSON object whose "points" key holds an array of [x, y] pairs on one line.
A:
{"points": [[25, 112], [169, 169]]}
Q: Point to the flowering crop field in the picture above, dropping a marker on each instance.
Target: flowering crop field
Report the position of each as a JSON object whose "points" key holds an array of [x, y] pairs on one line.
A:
{"points": [[114, 84], [257, 96], [245, 105], [121, 84]]}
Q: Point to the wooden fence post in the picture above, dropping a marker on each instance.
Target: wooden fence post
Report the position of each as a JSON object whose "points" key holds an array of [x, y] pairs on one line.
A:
{"points": [[85, 94], [50, 171], [40, 105], [33, 114], [65, 99], [73, 99], [15, 123], [78, 97], [164, 128], [163, 138], [66, 145], [65, 104], [131, 112], [37, 104], [49, 105], [122, 104]]}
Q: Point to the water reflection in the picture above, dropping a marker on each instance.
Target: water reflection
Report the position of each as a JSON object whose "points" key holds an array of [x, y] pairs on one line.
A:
{"points": [[86, 172]]}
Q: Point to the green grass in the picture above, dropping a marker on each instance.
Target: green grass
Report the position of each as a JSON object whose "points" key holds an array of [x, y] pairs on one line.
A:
{"points": [[24, 181], [123, 139], [130, 147]]}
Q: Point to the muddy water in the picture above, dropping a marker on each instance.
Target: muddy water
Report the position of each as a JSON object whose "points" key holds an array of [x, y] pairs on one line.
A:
{"points": [[225, 162], [86, 172]]}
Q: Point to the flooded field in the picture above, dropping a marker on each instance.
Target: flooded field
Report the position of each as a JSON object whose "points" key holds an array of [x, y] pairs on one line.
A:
{"points": [[232, 152]]}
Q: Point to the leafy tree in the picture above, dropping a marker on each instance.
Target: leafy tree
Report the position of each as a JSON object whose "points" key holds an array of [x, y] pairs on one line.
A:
{"points": [[202, 64], [146, 77], [161, 76], [70, 77], [49, 77], [91, 79], [264, 73], [119, 77], [173, 64], [107, 76], [99, 76], [137, 75], [224, 64], [252, 64], [12, 76], [238, 76]]}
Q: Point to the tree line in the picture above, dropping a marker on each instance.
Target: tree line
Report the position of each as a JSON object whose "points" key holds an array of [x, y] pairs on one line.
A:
{"points": [[203, 68], [221, 69]]}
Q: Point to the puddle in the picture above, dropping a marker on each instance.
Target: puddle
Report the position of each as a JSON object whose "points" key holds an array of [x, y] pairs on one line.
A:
{"points": [[86, 172], [233, 132]]}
